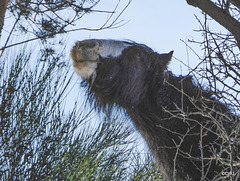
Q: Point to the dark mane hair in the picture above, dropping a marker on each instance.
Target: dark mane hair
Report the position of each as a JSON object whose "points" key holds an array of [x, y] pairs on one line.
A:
{"points": [[123, 81], [179, 120]]}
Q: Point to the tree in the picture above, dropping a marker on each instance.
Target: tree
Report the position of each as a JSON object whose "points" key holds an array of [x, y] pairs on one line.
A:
{"points": [[219, 67], [44, 20], [39, 140], [221, 50], [3, 8], [225, 12]]}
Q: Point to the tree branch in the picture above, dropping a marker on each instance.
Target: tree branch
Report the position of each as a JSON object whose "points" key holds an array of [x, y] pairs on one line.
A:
{"points": [[219, 15], [235, 3], [3, 8]]}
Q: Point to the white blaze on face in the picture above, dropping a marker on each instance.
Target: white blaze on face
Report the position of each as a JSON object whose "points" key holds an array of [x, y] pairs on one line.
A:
{"points": [[86, 53], [111, 48]]}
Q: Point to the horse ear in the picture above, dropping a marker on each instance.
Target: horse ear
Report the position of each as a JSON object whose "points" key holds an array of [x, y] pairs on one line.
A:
{"points": [[165, 59], [168, 57], [170, 53]]}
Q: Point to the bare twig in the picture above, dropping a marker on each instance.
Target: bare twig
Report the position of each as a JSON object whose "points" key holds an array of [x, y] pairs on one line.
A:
{"points": [[219, 15]]}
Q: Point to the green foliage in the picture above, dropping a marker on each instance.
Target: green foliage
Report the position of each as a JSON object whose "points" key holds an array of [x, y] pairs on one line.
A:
{"points": [[40, 141], [30, 114], [144, 169]]}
